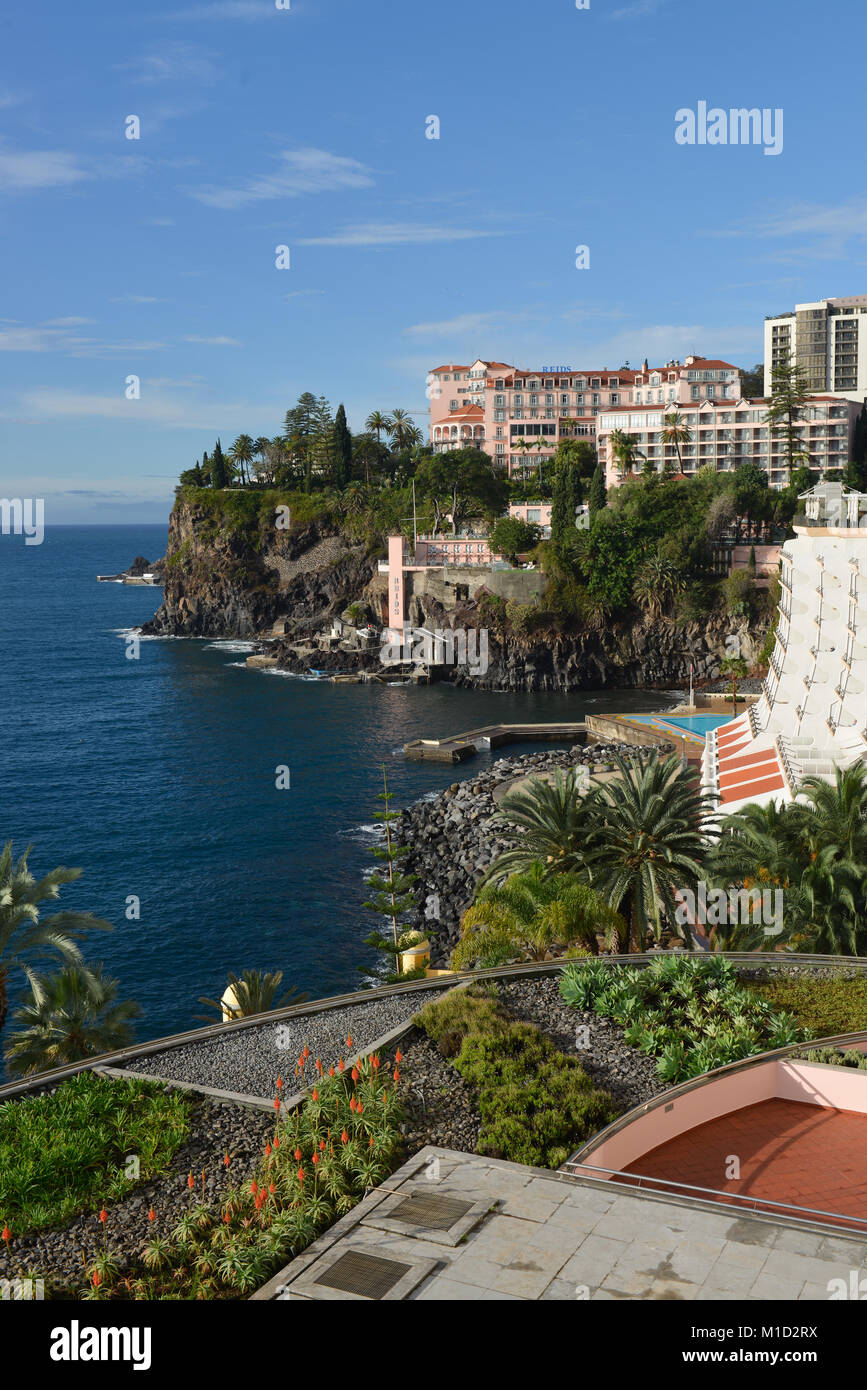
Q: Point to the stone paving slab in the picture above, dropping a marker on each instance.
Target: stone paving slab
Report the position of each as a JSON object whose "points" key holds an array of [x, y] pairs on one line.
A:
{"points": [[553, 1239]]}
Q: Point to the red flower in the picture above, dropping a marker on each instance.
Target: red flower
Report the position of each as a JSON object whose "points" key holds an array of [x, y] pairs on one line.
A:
{"points": [[322, 1143], [272, 1188], [279, 1083], [226, 1217], [355, 1073], [352, 1103], [370, 1142], [276, 1142], [375, 1063], [276, 1102], [226, 1159], [7, 1234], [331, 1070], [306, 1052], [348, 1039], [344, 1138], [359, 1109], [318, 1066], [301, 1176], [340, 1066], [315, 1094], [254, 1187], [152, 1216], [397, 1074], [298, 1155], [191, 1181], [398, 1056], [95, 1279], [103, 1215], [315, 1158], [268, 1150]]}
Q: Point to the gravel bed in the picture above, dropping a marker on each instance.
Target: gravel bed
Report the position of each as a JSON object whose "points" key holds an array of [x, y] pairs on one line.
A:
{"points": [[250, 1060], [440, 1105], [627, 1074], [59, 1255]]}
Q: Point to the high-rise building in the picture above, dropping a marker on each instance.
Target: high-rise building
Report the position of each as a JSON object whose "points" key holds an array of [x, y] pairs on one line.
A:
{"points": [[827, 340]]}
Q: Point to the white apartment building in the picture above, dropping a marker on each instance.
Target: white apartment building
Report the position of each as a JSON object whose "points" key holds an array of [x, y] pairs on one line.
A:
{"points": [[827, 339], [727, 433]]}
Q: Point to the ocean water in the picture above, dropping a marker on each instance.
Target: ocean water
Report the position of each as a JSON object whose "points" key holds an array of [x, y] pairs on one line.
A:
{"points": [[157, 777]]}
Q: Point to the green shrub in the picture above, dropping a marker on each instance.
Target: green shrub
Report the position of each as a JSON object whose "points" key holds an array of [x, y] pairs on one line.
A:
{"points": [[65, 1152], [693, 1014], [536, 1104], [836, 1057]]}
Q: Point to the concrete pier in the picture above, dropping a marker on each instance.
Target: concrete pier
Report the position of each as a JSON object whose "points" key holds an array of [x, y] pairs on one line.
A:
{"points": [[458, 747]]}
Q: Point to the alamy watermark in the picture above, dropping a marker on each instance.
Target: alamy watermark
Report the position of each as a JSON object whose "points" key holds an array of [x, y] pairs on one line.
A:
{"points": [[23, 516], [718, 907], [736, 126], [438, 647]]}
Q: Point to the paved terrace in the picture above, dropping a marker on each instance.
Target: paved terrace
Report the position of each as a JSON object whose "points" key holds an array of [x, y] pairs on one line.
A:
{"points": [[456, 1227]]}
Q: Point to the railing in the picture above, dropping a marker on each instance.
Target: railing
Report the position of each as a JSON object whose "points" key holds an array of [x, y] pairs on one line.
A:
{"points": [[760, 1205]]}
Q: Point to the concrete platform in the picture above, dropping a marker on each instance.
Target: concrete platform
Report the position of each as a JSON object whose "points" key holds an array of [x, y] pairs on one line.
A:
{"points": [[536, 1235]]}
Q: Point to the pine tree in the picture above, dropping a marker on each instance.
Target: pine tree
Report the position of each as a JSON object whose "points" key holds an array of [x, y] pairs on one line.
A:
{"points": [[342, 449], [789, 391], [219, 471], [206, 470], [598, 496], [392, 889]]}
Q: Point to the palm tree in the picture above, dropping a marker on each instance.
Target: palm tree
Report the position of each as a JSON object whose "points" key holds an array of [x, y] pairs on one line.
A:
{"points": [[242, 453], [675, 431], [529, 916], [522, 445], [543, 821], [254, 993], [25, 939], [643, 842], [262, 450], [836, 812], [656, 583], [377, 422], [737, 668], [72, 1015], [761, 846], [399, 426], [624, 448]]}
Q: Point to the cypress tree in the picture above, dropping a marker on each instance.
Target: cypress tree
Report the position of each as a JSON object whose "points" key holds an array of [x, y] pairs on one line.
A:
{"points": [[565, 498], [598, 496], [342, 449], [219, 471]]}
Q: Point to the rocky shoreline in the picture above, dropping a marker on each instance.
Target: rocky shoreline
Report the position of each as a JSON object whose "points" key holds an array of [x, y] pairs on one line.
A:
{"points": [[453, 838]]}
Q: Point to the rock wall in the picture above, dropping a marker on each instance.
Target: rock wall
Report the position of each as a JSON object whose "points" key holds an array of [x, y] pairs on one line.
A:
{"points": [[232, 582]]}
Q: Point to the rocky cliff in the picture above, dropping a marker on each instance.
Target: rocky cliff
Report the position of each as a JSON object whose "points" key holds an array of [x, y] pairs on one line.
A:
{"points": [[226, 578]]}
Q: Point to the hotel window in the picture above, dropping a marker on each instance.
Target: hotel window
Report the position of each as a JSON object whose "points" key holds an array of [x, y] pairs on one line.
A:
{"points": [[595, 399], [550, 415], [549, 400], [519, 414], [564, 399], [533, 385], [534, 400], [594, 381], [501, 448], [638, 398], [453, 405], [549, 382], [579, 382], [499, 414], [579, 400], [499, 400], [499, 384], [534, 514], [711, 391], [614, 398], [693, 393], [498, 432], [519, 399]]}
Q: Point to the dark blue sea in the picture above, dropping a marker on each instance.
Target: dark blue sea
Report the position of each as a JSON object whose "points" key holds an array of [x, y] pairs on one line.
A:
{"points": [[156, 777]]}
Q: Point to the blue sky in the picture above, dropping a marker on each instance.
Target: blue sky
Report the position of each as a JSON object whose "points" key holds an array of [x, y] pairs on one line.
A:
{"points": [[306, 127]]}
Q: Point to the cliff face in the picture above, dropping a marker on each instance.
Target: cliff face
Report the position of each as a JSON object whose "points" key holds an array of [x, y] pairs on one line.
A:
{"points": [[238, 580]]}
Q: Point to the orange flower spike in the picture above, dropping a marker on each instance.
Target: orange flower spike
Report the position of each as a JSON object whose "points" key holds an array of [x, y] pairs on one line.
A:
{"points": [[190, 1181], [331, 1070], [348, 1039], [344, 1138], [301, 1176], [103, 1215], [319, 1066], [272, 1187], [254, 1187], [315, 1094], [7, 1234], [315, 1158], [298, 1155], [321, 1144], [352, 1103], [226, 1217], [354, 1073], [396, 1074], [95, 1279], [268, 1150], [277, 1103], [226, 1159], [340, 1065], [398, 1056], [370, 1142], [306, 1052], [375, 1063], [279, 1083], [152, 1216], [359, 1109], [276, 1141]]}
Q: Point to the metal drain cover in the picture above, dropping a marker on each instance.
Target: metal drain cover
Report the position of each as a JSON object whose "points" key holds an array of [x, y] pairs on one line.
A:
{"points": [[358, 1273], [367, 1276], [426, 1214], [431, 1210]]}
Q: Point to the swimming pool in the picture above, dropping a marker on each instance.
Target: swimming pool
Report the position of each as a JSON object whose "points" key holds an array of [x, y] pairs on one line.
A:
{"points": [[698, 725]]}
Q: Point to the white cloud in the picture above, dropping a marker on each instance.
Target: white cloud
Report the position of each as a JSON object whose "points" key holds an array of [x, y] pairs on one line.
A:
{"points": [[70, 322], [27, 170], [214, 342], [172, 62], [463, 324], [394, 234], [155, 407], [300, 171], [222, 9], [138, 299]]}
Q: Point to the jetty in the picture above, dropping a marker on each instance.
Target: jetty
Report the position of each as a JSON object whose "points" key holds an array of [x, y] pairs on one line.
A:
{"points": [[458, 747]]}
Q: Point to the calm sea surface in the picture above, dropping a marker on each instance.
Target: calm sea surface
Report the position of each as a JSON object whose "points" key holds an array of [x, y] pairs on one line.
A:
{"points": [[157, 778]]}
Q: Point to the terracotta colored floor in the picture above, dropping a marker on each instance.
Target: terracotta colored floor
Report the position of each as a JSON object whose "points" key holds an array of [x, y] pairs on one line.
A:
{"points": [[799, 1154]]}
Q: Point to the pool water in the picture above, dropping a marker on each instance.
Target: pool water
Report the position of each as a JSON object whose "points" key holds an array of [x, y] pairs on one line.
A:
{"points": [[698, 724]]}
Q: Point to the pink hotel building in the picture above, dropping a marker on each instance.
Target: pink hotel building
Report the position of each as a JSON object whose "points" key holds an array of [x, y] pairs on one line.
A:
{"points": [[519, 417]]}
